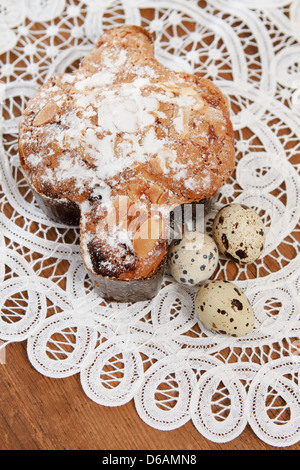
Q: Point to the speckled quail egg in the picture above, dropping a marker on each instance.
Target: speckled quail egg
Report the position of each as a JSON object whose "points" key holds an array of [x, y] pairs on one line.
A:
{"points": [[193, 259], [222, 307], [239, 233]]}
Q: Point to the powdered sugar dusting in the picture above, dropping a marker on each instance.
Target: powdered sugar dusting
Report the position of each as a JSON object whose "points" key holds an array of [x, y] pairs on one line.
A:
{"points": [[107, 122], [123, 128]]}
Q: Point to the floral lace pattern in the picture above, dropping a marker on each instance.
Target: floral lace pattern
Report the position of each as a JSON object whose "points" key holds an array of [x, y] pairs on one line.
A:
{"points": [[156, 352]]}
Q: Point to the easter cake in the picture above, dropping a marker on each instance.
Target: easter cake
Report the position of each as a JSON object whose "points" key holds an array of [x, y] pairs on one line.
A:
{"points": [[115, 146]]}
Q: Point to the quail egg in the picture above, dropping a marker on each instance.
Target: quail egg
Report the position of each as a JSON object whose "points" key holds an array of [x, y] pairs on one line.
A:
{"points": [[222, 307], [193, 259], [239, 233]]}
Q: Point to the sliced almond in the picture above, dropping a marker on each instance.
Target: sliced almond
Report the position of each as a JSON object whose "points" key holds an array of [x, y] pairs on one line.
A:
{"points": [[188, 91], [118, 214], [163, 198], [133, 196], [171, 87], [156, 165], [144, 174], [157, 194], [179, 89], [219, 126], [154, 193], [46, 114], [146, 237], [135, 189], [181, 121]]}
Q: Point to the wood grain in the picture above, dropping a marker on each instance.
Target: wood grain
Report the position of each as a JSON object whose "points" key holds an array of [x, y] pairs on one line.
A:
{"points": [[40, 413]]}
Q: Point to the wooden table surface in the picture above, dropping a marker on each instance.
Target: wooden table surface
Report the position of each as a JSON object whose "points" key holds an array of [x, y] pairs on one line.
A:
{"points": [[41, 413]]}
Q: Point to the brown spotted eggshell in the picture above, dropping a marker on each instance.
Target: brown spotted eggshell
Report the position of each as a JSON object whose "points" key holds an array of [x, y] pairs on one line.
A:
{"points": [[222, 307], [193, 259], [239, 233]]}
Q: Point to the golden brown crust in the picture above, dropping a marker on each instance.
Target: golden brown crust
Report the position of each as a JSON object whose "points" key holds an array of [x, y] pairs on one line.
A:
{"points": [[121, 35], [123, 128]]}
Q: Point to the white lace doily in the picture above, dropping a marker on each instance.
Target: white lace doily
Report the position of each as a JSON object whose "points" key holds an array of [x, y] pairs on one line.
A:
{"points": [[156, 352]]}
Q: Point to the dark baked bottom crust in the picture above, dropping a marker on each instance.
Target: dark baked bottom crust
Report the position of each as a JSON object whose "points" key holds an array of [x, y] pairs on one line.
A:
{"points": [[62, 211], [134, 290]]}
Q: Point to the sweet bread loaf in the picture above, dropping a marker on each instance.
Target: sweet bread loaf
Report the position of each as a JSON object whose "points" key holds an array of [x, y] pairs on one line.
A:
{"points": [[115, 146]]}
